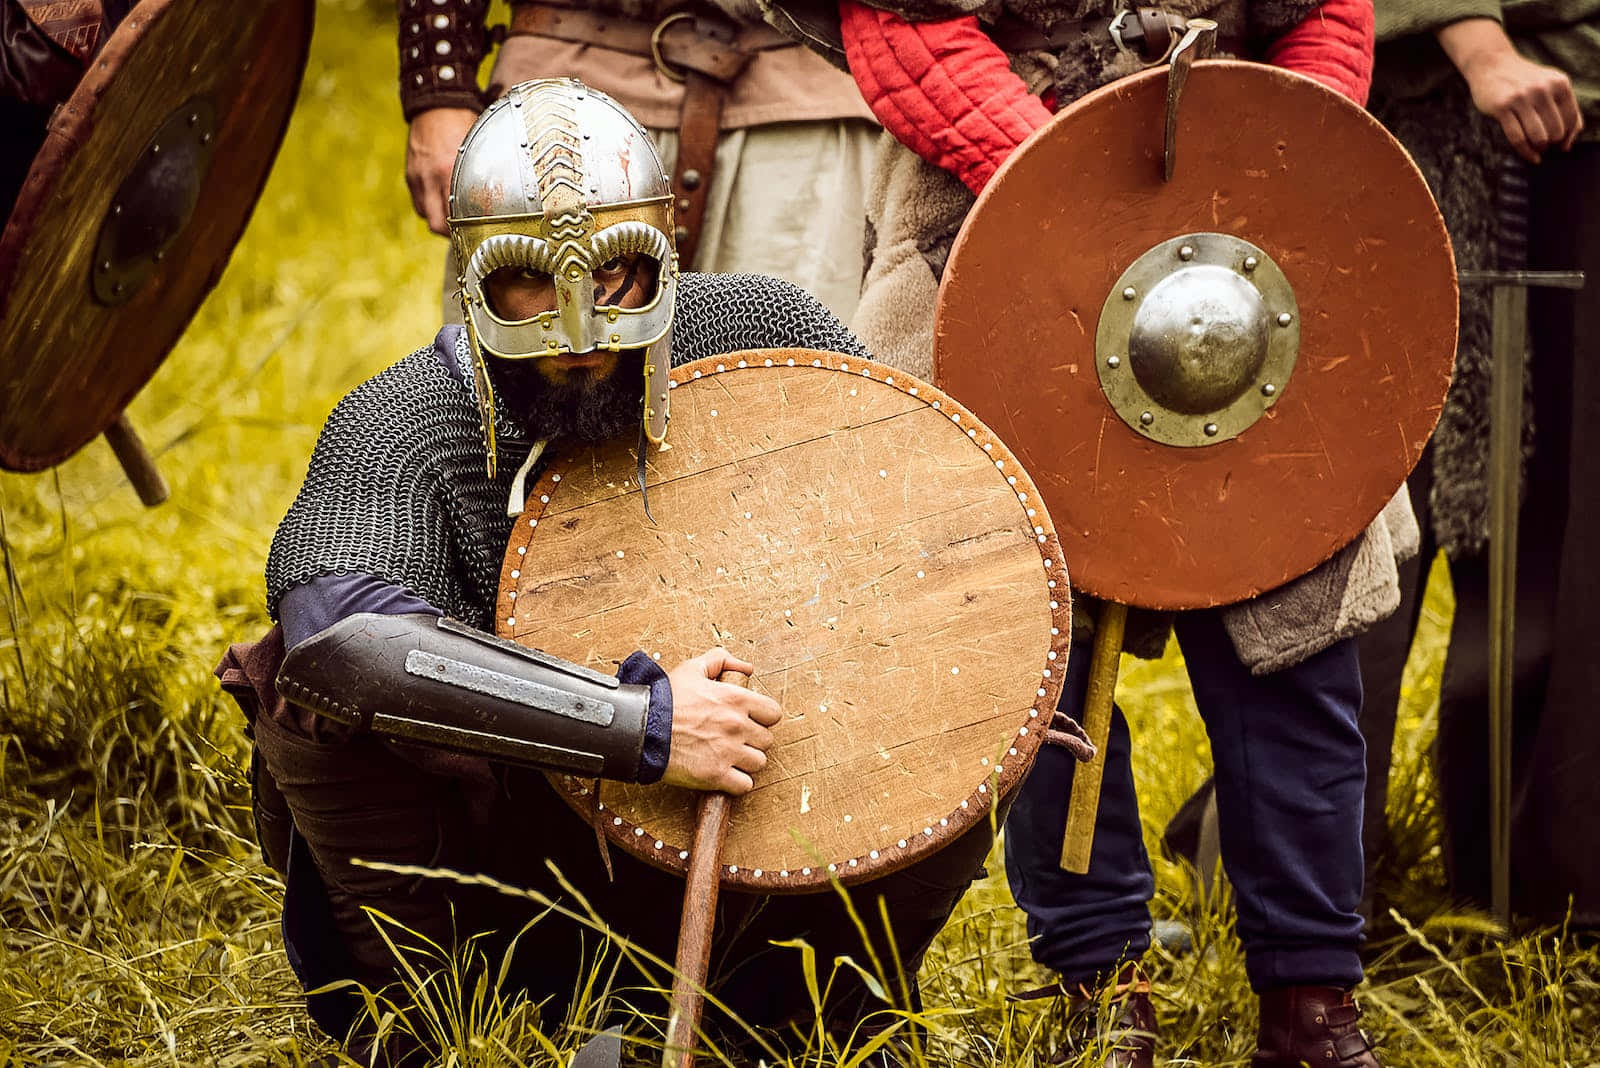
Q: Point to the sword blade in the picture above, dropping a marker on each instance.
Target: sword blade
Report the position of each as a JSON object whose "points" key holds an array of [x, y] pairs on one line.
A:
{"points": [[1505, 470]]}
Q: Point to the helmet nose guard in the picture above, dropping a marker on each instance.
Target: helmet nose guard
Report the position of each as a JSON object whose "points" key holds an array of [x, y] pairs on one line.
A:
{"points": [[557, 179]]}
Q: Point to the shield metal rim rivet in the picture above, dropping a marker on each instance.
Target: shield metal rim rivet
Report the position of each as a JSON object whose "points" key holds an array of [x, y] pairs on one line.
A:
{"points": [[1160, 302]]}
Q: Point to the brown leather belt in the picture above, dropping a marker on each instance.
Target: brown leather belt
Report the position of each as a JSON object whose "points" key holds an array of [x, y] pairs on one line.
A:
{"points": [[702, 49], [1148, 32]]}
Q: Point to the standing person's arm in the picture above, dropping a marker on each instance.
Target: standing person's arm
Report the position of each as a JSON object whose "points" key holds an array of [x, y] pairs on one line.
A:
{"points": [[441, 45], [1534, 104], [946, 90]]}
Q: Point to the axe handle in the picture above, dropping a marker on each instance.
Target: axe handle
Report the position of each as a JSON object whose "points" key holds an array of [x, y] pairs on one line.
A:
{"points": [[136, 461], [699, 920], [1084, 805]]}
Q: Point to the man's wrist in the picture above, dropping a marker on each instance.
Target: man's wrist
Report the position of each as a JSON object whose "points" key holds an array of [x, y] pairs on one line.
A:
{"points": [[641, 670], [1471, 43]]}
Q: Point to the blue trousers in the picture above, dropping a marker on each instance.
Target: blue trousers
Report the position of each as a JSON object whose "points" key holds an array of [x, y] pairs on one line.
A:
{"points": [[1290, 773]]}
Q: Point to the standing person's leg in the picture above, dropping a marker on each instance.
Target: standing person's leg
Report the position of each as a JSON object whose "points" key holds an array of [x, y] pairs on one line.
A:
{"points": [[1290, 775], [1383, 652], [1081, 926], [1556, 851]]}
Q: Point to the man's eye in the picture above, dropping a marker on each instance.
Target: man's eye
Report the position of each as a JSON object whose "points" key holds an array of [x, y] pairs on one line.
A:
{"points": [[613, 265], [528, 274]]}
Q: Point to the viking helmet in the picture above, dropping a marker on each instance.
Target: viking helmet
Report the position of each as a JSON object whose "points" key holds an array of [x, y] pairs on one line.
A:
{"points": [[557, 178]]}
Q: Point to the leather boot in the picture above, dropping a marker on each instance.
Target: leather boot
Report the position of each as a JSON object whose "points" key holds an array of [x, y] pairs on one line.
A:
{"points": [[1122, 1023], [1311, 1025]]}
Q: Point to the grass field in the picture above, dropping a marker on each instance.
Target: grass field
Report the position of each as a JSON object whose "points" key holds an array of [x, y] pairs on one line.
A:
{"points": [[137, 924]]}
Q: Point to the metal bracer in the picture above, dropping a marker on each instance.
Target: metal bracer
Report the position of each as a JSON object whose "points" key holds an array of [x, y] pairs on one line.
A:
{"points": [[434, 681]]}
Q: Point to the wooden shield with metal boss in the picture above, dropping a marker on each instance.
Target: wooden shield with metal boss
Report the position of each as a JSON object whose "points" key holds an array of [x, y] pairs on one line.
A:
{"points": [[145, 181], [871, 547], [1218, 379]]}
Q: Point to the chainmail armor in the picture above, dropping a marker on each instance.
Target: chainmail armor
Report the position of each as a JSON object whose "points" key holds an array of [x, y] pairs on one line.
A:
{"points": [[396, 487]]}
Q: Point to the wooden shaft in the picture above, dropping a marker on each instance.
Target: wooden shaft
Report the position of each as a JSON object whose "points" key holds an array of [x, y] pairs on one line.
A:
{"points": [[1084, 805], [1505, 470], [699, 920], [136, 461]]}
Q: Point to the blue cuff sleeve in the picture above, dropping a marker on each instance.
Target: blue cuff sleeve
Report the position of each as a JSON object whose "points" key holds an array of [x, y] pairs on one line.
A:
{"points": [[318, 603], [640, 670]]}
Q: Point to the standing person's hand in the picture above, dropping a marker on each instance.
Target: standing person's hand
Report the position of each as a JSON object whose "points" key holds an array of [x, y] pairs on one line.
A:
{"points": [[1534, 104], [435, 136], [720, 732]]}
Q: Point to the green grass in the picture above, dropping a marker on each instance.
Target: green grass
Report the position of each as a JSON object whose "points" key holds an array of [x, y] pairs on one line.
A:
{"points": [[137, 923]]}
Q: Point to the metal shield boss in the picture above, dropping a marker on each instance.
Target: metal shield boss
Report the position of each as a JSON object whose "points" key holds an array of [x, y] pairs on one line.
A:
{"points": [[133, 205], [1216, 380]]}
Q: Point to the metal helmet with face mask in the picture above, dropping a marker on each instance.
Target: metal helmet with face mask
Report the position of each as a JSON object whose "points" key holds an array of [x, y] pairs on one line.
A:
{"points": [[557, 179]]}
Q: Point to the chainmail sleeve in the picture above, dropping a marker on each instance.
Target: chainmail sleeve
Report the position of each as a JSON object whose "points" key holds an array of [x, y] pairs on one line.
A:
{"points": [[720, 313], [397, 489]]}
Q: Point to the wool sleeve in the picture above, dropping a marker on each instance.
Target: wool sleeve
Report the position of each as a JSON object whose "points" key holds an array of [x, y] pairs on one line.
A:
{"points": [[943, 88], [1332, 44]]}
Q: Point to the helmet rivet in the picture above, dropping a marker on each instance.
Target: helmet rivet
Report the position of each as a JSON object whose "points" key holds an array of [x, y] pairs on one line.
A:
{"points": [[1147, 418], [1186, 253], [611, 315]]}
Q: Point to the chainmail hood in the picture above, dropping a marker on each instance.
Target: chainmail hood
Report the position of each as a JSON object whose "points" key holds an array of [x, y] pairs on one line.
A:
{"points": [[397, 485]]}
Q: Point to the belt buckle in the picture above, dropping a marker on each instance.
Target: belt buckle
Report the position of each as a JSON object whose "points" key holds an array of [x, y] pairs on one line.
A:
{"points": [[655, 46], [1115, 30]]}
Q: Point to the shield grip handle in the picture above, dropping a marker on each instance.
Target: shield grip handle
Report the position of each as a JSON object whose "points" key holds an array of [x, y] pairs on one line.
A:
{"points": [[136, 461], [1078, 839]]}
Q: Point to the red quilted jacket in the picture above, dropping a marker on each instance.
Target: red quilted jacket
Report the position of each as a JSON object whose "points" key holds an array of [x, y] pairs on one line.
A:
{"points": [[946, 90]]}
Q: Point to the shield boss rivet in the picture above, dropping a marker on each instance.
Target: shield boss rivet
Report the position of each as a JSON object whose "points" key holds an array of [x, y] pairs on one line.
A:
{"points": [[1147, 418], [1285, 319], [1186, 253]]}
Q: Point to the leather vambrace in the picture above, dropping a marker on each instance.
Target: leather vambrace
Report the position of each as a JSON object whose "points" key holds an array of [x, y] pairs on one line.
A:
{"points": [[433, 681]]}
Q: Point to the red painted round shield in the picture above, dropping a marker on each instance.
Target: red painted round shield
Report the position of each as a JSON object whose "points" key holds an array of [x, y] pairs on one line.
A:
{"points": [[1219, 380]]}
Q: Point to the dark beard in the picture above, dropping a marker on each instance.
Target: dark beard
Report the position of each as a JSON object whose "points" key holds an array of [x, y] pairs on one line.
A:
{"points": [[583, 408]]}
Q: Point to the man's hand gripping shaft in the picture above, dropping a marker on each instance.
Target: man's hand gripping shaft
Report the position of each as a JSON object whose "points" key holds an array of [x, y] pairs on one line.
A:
{"points": [[720, 731]]}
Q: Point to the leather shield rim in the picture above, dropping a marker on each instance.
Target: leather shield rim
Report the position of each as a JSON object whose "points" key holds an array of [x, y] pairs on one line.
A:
{"points": [[1021, 751], [69, 127], [1089, 578]]}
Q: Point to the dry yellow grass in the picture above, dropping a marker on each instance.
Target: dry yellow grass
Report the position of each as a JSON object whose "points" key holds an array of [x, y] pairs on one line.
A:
{"points": [[137, 924]]}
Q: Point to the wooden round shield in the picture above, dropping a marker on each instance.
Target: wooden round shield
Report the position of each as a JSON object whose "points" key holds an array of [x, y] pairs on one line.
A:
{"points": [[871, 547], [144, 184], [1291, 454]]}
